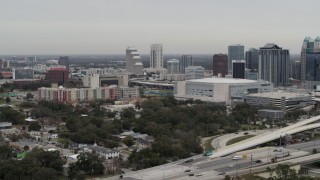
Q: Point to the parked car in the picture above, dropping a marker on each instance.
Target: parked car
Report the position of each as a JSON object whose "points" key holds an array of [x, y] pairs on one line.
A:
{"points": [[258, 161]]}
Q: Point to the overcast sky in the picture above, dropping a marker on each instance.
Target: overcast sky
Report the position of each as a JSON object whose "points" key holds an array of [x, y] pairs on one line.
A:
{"points": [[182, 26]]}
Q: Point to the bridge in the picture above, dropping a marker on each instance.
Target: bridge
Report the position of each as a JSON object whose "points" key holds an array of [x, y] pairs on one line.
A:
{"points": [[268, 136]]}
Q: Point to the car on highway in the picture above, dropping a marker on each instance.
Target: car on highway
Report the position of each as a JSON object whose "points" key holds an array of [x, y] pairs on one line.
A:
{"points": [[258, 161], [189, 160], [188, 170], [236, 157], [191, 174], [221, 173], [198, 174], [246, 133]]}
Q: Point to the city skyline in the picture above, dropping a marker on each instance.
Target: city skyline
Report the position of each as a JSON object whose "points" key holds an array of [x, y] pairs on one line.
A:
{"points": [[182, 26]]}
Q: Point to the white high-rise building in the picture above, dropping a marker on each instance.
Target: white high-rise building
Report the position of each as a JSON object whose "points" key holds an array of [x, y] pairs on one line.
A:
{"points": [[173, 66], [156, 57], [133, 61]]}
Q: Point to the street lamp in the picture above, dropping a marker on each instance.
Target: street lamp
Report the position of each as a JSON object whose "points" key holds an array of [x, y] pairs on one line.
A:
{"points": [[251, 164]]}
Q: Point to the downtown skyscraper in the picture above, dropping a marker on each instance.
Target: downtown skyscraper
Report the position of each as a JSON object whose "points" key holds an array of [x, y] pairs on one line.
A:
{"points": [[220, 65], [133, 61], [274, 64], [235, 52], [252, 59], [309, 48], [186, 60], [156, 56]]}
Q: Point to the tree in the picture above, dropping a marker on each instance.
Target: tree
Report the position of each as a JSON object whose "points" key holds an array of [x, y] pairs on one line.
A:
{"points": [[45, 173], [34, 126], [5, 152], [128, 141], [29, 96], [73, 171], [8, 100], [227, 177], [283, 172], [128, 113], [90, 163], [26, 147]]}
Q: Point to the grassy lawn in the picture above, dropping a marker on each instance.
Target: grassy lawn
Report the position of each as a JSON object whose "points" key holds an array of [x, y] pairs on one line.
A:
{"points": [[238, 139], [207, 143], [249, 127]]}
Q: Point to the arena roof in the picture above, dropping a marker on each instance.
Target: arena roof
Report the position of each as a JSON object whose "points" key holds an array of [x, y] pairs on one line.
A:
{"points": [[223, 81]]}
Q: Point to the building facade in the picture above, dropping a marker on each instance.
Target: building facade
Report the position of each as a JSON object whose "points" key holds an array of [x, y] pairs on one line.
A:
{"points": [[235, 52], [186, 60], [64, 60], [58, 75], [274, 64], [224, 90], [220, 65], [194, 72], [309, 46], [295, 70], [23, 73], [156, 56], [285, 101], [252, 59], [133, 61], [238, 68], [75, 95], [173, 66], [313, 66]]}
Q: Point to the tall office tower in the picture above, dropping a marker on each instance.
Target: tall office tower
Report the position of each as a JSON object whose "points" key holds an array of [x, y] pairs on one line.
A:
{"points": [[173, 66], [220, 64], [274, 64], [235, 52], [64, 60], [295, 70], [312, 67], [309, 46], [252, 59], [238, 68], [133, 61], [156, 57], [186, 60]]}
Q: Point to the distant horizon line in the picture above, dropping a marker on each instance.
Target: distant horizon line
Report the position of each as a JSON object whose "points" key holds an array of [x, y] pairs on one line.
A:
{"points": [[170, 54]]}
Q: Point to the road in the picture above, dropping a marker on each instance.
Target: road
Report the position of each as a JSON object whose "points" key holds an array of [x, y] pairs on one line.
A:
{"points": [[211, 168], [221, 141], [268, 136]]}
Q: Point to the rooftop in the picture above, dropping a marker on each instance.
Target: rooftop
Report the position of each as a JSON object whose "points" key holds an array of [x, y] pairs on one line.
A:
{"points": [[280, 94], [223, 81], [270, 46]]}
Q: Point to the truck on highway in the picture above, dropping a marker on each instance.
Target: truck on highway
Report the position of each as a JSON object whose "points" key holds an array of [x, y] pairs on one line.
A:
{"points": [[282, 154]]}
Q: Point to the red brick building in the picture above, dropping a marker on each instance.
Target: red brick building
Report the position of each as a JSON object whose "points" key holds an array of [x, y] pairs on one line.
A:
{"points": [[58, 75]]}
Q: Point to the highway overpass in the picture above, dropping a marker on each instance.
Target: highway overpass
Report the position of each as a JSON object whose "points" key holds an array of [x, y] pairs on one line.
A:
{"points": [[268, 136]]}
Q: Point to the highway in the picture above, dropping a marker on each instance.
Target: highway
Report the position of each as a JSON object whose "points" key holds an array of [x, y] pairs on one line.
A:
{"points": [[211, 168], [268, 136], [221, 160]]}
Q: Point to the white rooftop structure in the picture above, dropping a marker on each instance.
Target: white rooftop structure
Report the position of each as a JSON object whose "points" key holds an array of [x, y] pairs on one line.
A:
{"points": [[219, 89], [223, 81]]}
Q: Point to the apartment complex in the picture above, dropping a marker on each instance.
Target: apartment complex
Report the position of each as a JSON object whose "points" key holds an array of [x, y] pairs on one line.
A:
{"points": [[75, 95]]}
